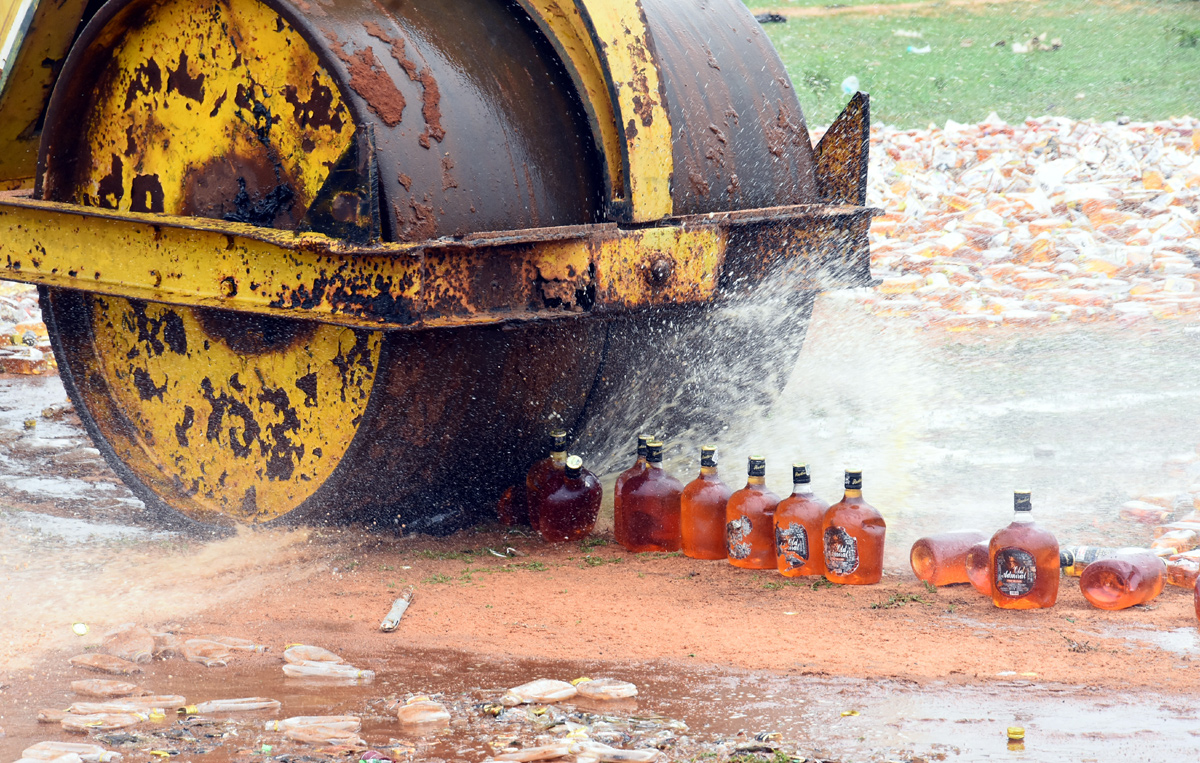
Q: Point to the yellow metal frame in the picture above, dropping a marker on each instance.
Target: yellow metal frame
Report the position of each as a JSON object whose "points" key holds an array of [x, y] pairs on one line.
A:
{"points": [[550, 272], [608, 51], [27, 88]]}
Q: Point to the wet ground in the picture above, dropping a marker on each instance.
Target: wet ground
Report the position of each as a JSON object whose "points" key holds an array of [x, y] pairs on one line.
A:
{"points": [[697, 713], [945, 425]]}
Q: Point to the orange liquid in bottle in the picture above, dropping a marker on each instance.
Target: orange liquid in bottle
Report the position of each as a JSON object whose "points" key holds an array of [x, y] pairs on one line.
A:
{"points": [[799, 545], [620, 523], [651, 506], [546, 475], [942, 559], [569, 513], [750, 521], [854, 532], [1023, 559], [1124, 580], [1196, 597], [702, 510], [979, 568], [511, 508]]}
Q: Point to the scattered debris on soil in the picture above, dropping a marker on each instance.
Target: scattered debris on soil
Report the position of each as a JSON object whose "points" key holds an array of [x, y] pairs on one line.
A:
{"points": [[1045, 221]]}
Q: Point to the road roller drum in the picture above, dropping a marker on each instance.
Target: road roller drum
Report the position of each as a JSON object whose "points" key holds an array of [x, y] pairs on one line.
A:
{"points": [[305, 260]]}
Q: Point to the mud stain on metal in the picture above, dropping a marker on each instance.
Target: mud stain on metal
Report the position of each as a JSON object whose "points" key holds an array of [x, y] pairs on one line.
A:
{"points": [[369, 79], [431, 95]]}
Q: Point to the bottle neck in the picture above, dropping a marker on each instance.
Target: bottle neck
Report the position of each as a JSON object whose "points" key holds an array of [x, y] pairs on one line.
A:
{"points": [[654, 466], [557, 457], [641, 461], [756, 481], [802, 488], [1023, 517], [708, 471], [853, 493]]}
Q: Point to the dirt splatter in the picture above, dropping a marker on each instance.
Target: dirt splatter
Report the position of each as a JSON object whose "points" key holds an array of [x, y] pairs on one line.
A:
{"points": [[431, 94], [448, 180], [369, 79]]}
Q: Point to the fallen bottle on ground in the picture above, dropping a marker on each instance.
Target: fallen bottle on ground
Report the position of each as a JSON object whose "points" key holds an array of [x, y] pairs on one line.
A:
{"points": [[942, 559], [422, 711], [89, 753], [336, 670], [105, 663], [130, 642], [543, 690], [210, 654], [104, 687], [241, 704], [1124, 580], [605, 688]]}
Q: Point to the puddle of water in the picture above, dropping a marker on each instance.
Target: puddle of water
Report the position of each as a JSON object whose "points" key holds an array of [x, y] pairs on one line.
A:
{"points": [[1183, 641], [841, 719], [79, 531]]}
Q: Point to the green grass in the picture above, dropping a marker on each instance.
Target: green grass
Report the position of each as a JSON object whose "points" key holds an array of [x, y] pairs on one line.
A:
{"points": [[1138, 59]]}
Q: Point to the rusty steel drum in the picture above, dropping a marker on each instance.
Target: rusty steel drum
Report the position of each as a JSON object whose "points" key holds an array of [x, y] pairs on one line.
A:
{"points": [[308, 259]]}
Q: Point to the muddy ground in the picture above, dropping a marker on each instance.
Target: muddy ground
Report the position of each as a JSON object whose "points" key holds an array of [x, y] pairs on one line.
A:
{"points": [[886, 672]]}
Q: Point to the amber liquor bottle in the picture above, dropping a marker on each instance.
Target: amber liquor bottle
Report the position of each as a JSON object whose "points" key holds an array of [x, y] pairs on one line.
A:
{"points": [[620, 525], [569, 513], [650, 504], [853, 532], [799, 549], [979, 568], [702, 510], [1123, 580], [750, 521], [1023, 559], [942, 559], [545, 476]]}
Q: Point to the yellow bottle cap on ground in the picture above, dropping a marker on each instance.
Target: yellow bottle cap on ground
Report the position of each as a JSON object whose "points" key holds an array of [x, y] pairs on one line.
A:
{"points": [[1016, 732]]}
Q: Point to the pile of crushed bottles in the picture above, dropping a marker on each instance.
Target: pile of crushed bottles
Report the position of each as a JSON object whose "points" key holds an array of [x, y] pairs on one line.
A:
{"points": [[706, 519]]}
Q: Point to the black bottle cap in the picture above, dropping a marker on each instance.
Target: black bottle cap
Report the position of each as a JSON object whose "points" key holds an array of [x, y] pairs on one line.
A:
{"points": [[1066, 557], [654, 451], [800, 474], [757, 466], [1021, 501], [558, 440], [574, 467], [854, 479], [708, 455], [642, 440]]}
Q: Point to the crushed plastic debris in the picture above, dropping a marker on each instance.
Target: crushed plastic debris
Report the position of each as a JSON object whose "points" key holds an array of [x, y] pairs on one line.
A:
{"points": [[392, 621], [1044, 221], [106, 663], [605, 688], [541, 690]]}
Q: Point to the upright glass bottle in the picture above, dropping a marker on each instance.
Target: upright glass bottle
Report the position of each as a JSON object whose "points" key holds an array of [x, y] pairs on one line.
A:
{"points": [[750, 521], [799, 549], [1024, 562], [651, 506], [546, 475], [569, 513], [620, 531], [853, 531], [702, 510]]}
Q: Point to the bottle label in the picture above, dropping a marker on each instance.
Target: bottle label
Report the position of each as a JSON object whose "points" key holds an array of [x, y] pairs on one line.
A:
{"points": [[736, 533], [841, 551], [1016, 572], [791, 544]]}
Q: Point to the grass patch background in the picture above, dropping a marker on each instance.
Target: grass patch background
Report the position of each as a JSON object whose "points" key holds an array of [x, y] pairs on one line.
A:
{"points": [[1139, 59]]}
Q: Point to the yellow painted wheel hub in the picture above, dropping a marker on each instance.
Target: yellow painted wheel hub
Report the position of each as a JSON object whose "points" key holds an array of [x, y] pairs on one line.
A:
{"points": [[216, 109]]}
